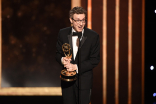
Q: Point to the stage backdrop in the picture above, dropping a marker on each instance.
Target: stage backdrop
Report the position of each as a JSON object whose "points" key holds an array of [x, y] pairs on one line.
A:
{"points": [[29, 35]]}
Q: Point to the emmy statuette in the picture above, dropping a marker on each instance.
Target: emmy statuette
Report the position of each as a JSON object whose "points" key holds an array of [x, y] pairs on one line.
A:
{"points": [[67, 75]]}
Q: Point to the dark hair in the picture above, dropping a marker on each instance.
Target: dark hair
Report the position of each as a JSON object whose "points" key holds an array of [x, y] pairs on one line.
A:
{"points": [[77, 10]]}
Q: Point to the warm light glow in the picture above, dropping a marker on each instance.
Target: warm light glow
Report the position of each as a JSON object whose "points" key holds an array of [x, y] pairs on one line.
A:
{"points": [[75, 3], [130, 52], [117, 16], [55, 91], [143, 47], [50, 91], [104, 50], [89, 20]]}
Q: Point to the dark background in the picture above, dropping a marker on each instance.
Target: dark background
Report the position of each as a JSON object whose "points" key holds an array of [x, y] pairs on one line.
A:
{"points": [[29, 36], [31, 100], [150, 51], [150, 56]]}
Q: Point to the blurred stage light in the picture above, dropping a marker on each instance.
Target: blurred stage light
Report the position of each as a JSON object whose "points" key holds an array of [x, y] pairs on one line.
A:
{"points": [[152, 67], [155, 11], [154, 94]]}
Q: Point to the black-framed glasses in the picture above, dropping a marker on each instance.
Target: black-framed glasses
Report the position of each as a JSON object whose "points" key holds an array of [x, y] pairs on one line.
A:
{"points": [[79, 21]]}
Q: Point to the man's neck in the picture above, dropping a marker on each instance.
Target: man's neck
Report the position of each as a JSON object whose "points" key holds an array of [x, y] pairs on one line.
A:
{"points": [[73, 30]]}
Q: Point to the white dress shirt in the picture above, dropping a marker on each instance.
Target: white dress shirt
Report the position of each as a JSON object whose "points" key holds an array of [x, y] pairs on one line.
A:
{"points": [[74, 43]]}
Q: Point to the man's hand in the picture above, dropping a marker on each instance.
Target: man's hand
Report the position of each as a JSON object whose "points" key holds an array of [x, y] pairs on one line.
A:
{"points": [[71, 67], [65, 60]]}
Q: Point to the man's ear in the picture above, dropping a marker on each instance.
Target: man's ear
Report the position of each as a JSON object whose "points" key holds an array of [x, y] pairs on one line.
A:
{"points": [[71, 21]]}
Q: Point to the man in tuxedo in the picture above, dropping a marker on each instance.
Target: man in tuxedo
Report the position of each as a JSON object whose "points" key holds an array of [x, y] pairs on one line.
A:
{"points": [[89, 46]]}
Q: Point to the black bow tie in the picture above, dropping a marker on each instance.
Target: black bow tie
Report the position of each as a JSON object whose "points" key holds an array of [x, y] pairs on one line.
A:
{"points": [[79, 34]]}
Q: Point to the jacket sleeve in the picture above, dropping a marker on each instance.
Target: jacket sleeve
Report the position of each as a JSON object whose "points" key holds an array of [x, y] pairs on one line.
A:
{"points": [[59, 52], [94, 57]]}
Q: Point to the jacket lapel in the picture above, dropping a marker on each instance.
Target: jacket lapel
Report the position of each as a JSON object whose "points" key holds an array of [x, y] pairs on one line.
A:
{"points": [[70, 41], [84, 37], [81, 43], [83, 40]]}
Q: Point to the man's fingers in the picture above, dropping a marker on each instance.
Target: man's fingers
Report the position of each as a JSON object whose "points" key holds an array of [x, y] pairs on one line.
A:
{"points": [[69, 69], [67, 65], [66, 59], [66, 62]]}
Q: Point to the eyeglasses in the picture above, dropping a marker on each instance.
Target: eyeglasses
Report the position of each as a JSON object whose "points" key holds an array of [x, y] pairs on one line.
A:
{"points": [[79, 21]]}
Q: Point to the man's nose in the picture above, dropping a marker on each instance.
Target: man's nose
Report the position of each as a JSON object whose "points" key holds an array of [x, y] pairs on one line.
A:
{"points": [[81, 23]]}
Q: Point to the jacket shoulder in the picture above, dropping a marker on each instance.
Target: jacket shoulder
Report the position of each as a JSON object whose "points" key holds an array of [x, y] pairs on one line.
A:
{"points": [[91, 32], [65, 29]]}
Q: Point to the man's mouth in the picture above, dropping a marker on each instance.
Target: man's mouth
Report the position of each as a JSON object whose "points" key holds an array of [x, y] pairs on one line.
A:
{"points": [[80, 27]]}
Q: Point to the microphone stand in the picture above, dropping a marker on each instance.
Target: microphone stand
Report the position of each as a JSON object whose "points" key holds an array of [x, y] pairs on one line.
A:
{"points": [[79, 66]]}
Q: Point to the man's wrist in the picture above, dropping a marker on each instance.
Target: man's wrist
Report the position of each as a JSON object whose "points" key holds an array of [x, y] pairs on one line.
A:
{"points": [[74, 66]]}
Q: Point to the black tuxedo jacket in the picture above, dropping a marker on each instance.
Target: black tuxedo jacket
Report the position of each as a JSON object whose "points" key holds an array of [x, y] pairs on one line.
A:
{"points": [[90, 53]]}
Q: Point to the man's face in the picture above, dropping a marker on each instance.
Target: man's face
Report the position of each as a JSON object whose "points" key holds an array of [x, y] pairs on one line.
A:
{"points": [[78, 22]]}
